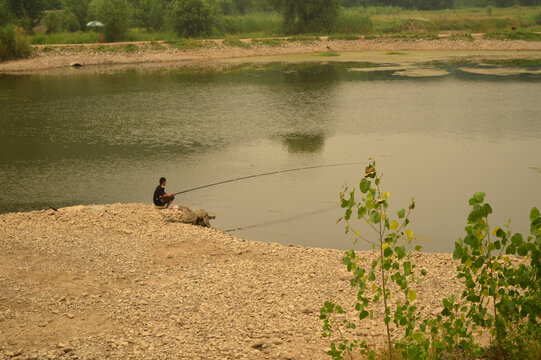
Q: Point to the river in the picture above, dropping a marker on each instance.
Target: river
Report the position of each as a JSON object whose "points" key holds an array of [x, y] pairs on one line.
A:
{"points": [[98, 139]]}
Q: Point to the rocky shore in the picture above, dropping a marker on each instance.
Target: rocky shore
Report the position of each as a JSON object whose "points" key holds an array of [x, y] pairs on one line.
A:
{"points": [[160, 55], [126, 281]]}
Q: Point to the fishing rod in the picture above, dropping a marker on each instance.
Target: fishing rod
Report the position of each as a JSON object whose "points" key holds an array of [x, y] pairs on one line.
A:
{"points": [[268, 173]]}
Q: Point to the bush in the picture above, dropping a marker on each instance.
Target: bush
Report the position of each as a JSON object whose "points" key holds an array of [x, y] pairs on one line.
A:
{"points": [[537, 18], [310, 16], [14, 43], [61, 21], [115, 15], [80, 9], [193, 18]]}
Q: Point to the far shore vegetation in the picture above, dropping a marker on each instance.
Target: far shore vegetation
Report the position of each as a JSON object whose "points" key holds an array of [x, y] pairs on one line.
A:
{"points": [[267, 22]]}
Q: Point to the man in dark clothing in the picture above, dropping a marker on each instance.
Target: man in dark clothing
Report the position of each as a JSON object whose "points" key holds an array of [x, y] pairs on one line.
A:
{"points": [[161, 198]]}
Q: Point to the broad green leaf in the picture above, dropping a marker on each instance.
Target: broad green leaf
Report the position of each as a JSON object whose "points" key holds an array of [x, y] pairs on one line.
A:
{"points": [[534, 214], [418, 337], [412, 295], [364, 185], [401, 213], [386, 195], [375, 216], [394, 225]]}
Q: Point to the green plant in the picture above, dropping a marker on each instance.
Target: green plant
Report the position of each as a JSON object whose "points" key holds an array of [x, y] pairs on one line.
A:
{"points": [[310, 16], [131, 47], [500, 296], [234, 41], [267, 42], [193, 18], [353, 22], [59, 21], [515, 35], [80, 9], [14, 43], [328, 53], [115, 15], [344, 37], [391, 266]]}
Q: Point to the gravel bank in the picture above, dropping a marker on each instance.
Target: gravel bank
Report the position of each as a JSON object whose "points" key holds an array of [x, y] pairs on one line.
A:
{"points": [[123, 282], [93, 57]]}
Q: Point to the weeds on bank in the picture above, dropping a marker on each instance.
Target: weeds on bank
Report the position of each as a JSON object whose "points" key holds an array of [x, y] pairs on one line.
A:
{"points": [[344, 37], [501, 295], [234, 41], [457, 36], [131, 48], [514, 62], [303, 38], [328, 53], [514, 35], [268, 42]]}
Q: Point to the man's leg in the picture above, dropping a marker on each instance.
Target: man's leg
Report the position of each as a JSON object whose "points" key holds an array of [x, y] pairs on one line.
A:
{"points": [[169, 200]]}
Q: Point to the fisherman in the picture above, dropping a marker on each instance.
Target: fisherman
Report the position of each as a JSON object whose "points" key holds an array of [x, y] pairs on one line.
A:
{"points": [[161, 198]]}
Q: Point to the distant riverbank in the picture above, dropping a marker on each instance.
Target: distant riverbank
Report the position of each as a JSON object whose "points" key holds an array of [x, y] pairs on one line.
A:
{"points": [[60, 59], [125, 281]]}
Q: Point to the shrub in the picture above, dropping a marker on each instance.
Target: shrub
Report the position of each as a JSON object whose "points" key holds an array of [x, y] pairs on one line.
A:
{"points": [[193, 18], [14, 43], [61, 21], [80, 9], [115, 15], [310, 16], [537, 18], [502, 286]]}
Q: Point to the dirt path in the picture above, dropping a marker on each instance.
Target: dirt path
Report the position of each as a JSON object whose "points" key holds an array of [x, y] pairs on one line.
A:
{"points": [[124, 282], [151, 55]]}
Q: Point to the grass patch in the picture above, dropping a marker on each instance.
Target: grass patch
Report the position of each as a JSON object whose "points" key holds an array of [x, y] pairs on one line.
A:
{"points": [[395, 53], [303, 38], [266, 24], [66, 38], [455, 37], [157, 46], [328, 53], [234, 41], [514, 62], [514, 35], [344, 37], [131, 48], [267, 42], [185, 44], [107, 49]]}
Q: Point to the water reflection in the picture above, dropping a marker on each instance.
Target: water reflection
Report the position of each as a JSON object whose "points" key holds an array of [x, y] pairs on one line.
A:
{"points": [[304, 143]]}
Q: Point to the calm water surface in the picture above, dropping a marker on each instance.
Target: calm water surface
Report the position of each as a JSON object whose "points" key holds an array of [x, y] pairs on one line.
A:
{"points": [[87, 139]]}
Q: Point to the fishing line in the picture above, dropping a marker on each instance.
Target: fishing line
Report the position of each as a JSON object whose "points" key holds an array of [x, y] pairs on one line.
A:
{"points": [[283, 220], [268, 173]]}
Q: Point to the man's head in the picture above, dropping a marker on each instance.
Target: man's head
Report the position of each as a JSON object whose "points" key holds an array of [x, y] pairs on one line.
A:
{"points": [[162, 181]]}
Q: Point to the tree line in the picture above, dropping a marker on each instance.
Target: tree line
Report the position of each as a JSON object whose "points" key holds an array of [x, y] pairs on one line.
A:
{"points": [[198, 18]]}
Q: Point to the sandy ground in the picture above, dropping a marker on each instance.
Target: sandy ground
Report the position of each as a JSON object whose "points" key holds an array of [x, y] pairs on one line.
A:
{"points": [[125, 281], [59, 58]]}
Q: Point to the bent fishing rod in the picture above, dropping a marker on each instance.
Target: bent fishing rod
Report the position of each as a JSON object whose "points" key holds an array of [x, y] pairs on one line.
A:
{"points": [[268, 173]]}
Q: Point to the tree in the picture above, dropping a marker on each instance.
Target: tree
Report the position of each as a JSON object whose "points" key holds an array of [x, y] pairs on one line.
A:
{"points": [[150, 14], [27, 12], [115, 15], [309, 16], [193, 18], [80, 9], [5, 15]]}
